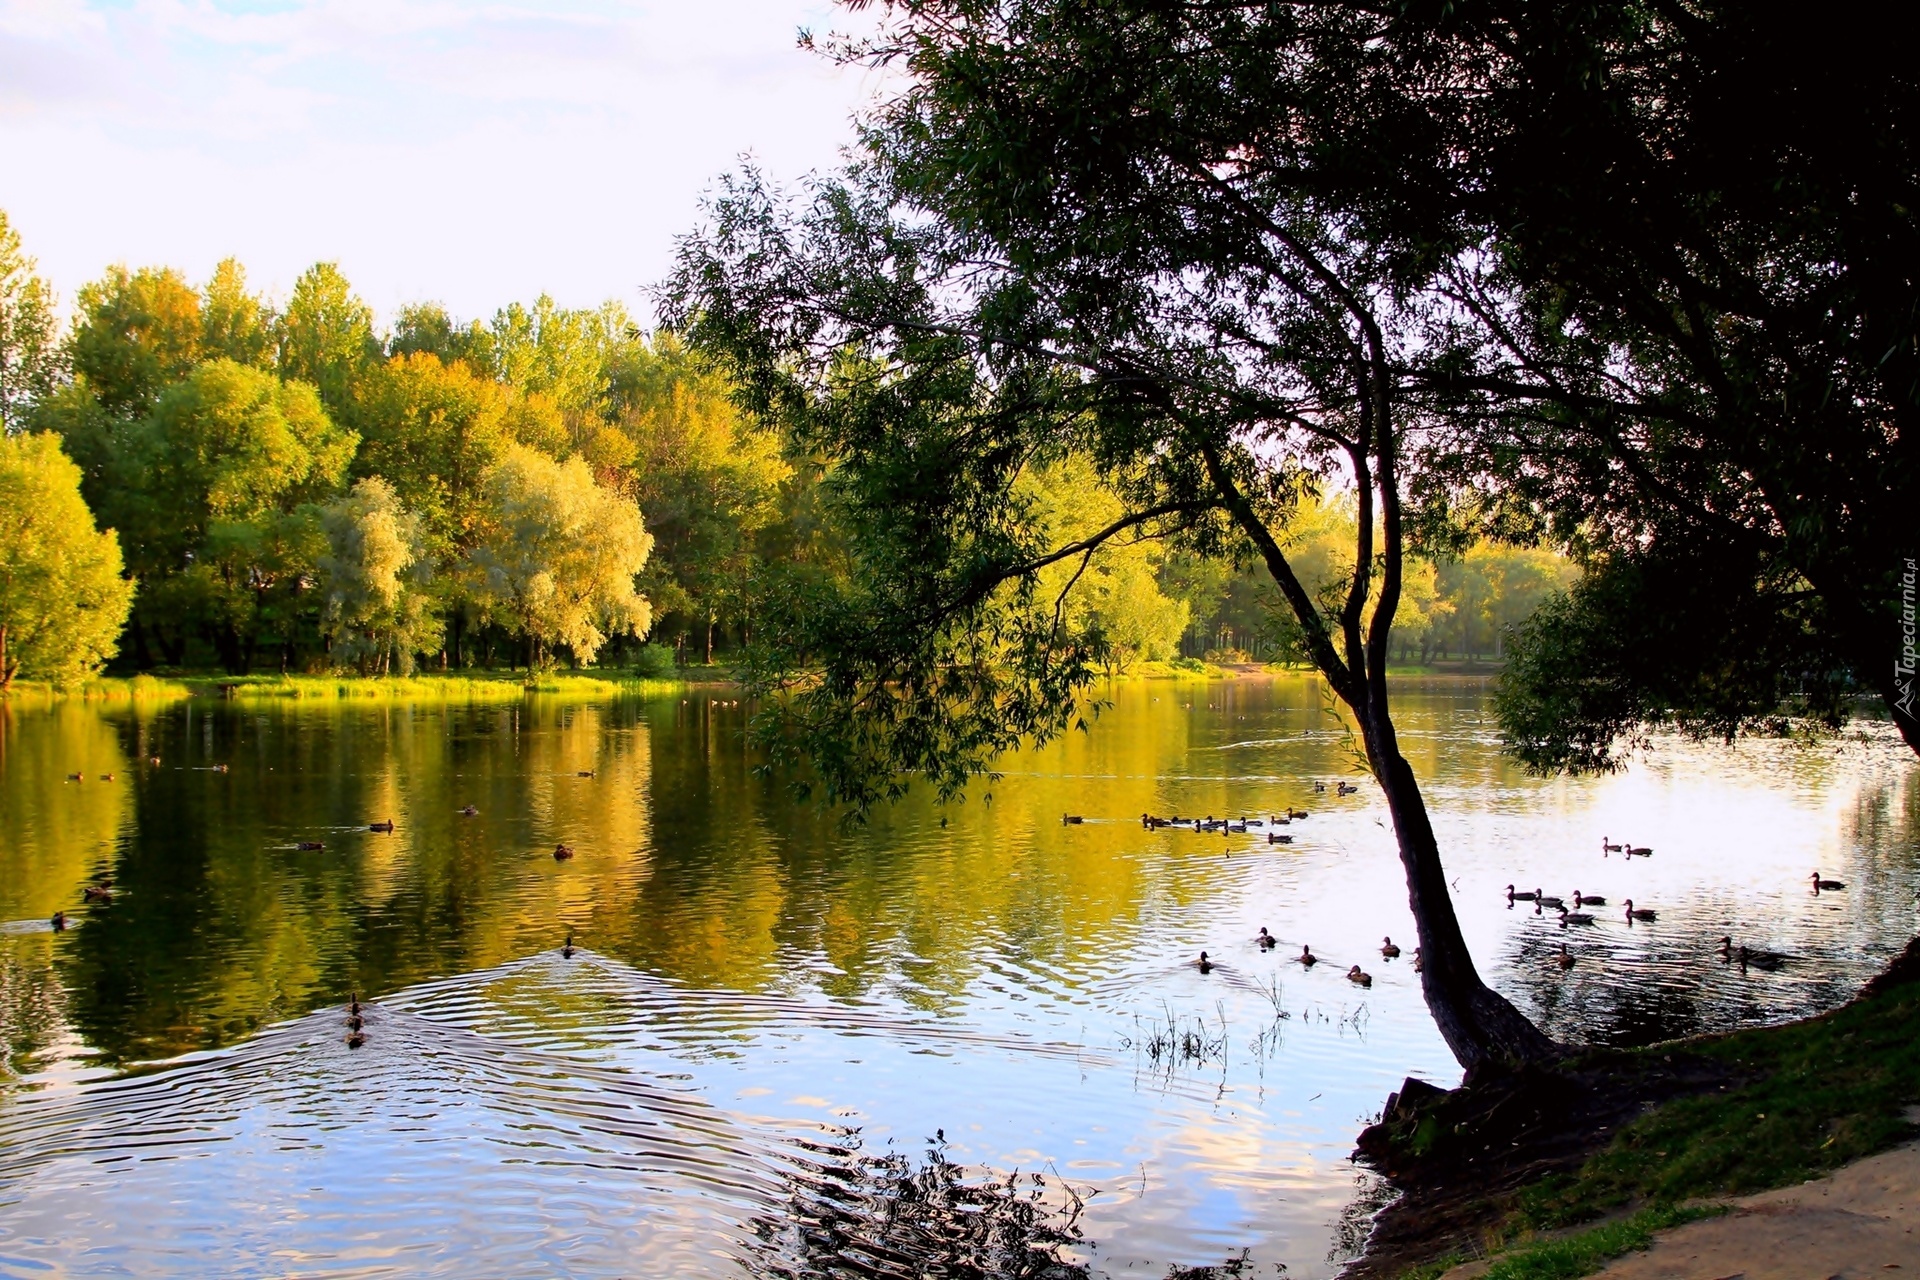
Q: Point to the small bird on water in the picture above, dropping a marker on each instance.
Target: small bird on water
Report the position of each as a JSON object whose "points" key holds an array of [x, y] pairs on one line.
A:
{"points": [[567, 948], [1819, 884], [1307, 957], [1266, 941], [1564, 959], [1358, 978], [309, 846], [561, 853], [1206, 965], [386, 826], [102, 892], [1388, 949], [59, 922], [468, 811]]}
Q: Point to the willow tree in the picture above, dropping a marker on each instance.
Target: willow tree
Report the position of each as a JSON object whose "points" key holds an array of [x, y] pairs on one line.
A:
{"points": [[1069, 239]]}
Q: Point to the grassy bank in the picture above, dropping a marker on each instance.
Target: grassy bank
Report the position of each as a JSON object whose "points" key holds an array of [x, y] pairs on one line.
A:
{"points": [[465, 686], [1800, 1101]]}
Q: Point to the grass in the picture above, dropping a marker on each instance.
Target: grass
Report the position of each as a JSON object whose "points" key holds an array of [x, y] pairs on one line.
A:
{"points": [[466, 686], [1808, 1098], [142, 688], [1580, 1254], [1818, 1094]]}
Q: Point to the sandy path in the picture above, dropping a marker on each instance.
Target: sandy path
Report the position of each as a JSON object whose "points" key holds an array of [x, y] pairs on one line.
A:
{"points": [[1863, 1220]]}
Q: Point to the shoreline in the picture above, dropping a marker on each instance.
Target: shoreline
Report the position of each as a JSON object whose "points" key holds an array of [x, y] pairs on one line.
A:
{"points": [[1560, 1171]]}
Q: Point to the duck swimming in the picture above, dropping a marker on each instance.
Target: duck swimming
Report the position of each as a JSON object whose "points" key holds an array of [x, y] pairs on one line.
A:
{"points": [[59, 922], [1585, 900], [102, 892], [1266, 941], [1564, 959], [468, 811], [1640, 913], [1547, 900], [1574, 917], [355, 1039], [561, 853], [566, 948], [386, 826], [1419, 961], [1358, 978], [1819, 884], [308, 846], [1520, 896], [1307, 957], [1206, 965], [1388, 950]]}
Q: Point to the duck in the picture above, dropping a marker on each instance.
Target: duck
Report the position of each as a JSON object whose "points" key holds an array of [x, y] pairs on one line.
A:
{"points": [[1419, 961], [583, 773], [1388, 950], [355, 1039], [76, 777], [1205, 965], [1564, 959], [59, 922], [468, 811], [1320, 788], [1588, 899], [1520, 895], [355, 1022], [154, 761], [1347, 789], [1548, 900], [567, 948], [102, 892], [1726, 947], [1607, 846], [1307, 957], [220, 768], [1640, 913], [1574, 917], [353, 1004], [1359, 978], [1275, 837], [1637, 851], [386, 826], [1266, 941], [1071, 819], [1296, 813], [1819, 884], [561, 853], [309, 846], [106, 777]]}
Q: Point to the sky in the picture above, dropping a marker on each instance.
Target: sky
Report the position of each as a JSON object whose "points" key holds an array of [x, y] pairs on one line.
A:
{"points": [[459, 151]]}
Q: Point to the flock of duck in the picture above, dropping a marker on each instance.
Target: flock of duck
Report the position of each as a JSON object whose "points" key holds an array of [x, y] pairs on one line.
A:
{"points": [[1389, 950]]}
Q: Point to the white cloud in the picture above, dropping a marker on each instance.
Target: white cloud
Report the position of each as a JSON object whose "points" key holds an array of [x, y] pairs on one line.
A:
{"points": [[472, 153]]}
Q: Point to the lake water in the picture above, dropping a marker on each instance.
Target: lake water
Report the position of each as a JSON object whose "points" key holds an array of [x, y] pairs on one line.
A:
{"points": [[789, 1047]]}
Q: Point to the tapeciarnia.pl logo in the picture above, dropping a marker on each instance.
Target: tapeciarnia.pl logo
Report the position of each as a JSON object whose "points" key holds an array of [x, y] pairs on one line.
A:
{"points": [[1903, 668]]}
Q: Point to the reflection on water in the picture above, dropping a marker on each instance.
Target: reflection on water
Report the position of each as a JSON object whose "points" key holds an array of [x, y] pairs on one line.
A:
{"points": [[788, 1047]]}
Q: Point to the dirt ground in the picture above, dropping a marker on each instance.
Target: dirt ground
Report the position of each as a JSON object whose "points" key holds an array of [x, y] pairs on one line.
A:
{"points": [[1863, 1220]]}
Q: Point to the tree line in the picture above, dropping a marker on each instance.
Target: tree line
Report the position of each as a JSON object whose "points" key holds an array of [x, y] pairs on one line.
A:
{"points": [[291, 487]]}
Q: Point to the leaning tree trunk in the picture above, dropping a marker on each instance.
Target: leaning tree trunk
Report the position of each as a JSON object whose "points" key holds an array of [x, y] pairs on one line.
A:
{"points": [[1479, 1024]]}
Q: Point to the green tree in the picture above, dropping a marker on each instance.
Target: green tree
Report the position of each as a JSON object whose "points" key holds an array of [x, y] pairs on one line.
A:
{"points": [[560, 555], [425, 327], [136, 333], [325, 336], [709, 477], [234, 323], [63, 601], [214, 482], [29, 356], [1077, 231], [376, 615]]}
